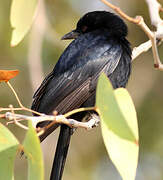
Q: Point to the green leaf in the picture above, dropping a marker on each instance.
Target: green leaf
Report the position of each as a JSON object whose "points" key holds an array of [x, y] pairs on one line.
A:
{"points": [[8, 148], [21, 18], [33, 152], [127, 108], [123, 153], [109, 110]]}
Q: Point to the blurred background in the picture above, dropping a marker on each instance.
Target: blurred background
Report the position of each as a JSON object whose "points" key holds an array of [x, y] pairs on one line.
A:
{"points": [[35, 57]]}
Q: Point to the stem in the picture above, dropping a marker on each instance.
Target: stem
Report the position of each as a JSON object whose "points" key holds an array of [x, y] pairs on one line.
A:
{"points": [[121, 13], [79, 110], [32, 111], [15, 121], [17, 98], [8, 109], [19, 102]]}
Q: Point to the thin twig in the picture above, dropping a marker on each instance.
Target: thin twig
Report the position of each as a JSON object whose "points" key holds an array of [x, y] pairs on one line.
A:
{"points": [[17, 98], [121, 13], [79, 110], [19, 102], [12, 122], [8, 109], [15, 120]]}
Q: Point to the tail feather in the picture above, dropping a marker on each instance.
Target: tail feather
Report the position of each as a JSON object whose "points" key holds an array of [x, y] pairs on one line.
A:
{"points": [[61, 153]]}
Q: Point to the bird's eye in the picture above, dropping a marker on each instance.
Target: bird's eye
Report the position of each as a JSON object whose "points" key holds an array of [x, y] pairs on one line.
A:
{"points": [[84, 28]]}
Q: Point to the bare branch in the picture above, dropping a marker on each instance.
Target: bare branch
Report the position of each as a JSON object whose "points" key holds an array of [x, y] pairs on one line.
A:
{"points": [[121, 13], [144, 47], [60, 119], [154, 8], [140, 49]]}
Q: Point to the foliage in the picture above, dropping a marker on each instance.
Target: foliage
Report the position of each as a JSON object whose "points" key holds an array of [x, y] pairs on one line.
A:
{"points": [[119, 127], [7, 75], [33, 152], [9, 146], [115, 107], [21, 17]]}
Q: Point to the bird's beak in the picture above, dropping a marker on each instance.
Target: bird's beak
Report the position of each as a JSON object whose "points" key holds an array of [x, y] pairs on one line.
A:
{"points": [[71, 35]]}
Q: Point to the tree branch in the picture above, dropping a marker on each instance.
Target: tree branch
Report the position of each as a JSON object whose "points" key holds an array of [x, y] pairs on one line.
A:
{"points": [[154, 8], [60, 119]]}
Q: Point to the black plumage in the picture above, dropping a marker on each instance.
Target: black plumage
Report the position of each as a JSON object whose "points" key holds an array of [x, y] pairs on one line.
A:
{"points": [[99, 46]]}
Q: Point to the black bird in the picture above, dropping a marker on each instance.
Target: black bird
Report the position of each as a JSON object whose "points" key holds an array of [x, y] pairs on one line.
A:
{"points": [[99, 45]]}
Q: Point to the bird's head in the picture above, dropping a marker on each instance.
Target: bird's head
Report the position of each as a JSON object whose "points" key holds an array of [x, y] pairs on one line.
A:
{"points": [[98, 20]]}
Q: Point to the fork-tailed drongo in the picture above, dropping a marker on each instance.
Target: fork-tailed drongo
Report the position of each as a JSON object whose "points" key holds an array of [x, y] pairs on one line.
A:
{"points": [[99, 45]]}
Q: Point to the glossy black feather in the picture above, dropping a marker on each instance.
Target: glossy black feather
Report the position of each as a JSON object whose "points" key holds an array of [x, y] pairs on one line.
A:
{"points": [[77, 71], [100, 47]]}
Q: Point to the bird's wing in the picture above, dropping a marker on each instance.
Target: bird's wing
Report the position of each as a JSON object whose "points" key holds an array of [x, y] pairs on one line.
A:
{"points": [[40, 91], [69, 90]]}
